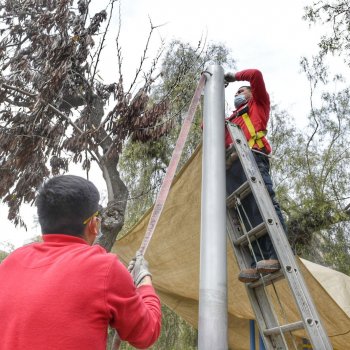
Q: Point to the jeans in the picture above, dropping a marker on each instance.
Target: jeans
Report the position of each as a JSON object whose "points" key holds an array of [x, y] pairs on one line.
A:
{"points": [[234, 178]]}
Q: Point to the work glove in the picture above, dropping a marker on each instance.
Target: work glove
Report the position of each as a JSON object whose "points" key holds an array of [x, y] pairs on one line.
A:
{"points": [[138, 267], [229, 78]]}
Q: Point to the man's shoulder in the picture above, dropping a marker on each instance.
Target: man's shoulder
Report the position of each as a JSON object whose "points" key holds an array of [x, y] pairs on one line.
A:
{"points": [[20, 256], [23, 250], [100, 253]]}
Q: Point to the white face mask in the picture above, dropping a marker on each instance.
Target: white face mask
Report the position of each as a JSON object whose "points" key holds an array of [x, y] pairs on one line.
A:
{"points": [[239, 101]]}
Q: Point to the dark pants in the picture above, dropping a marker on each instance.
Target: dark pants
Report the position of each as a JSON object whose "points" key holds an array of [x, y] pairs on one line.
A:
{"points": [[234, 178]]}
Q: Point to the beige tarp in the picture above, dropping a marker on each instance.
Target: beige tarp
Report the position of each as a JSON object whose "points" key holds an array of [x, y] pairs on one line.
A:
{"points": [[173, 255]]}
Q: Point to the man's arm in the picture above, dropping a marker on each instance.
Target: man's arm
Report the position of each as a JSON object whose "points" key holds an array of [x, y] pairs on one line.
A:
{"points": [[146, 281], [135, 312], [257, 84]]}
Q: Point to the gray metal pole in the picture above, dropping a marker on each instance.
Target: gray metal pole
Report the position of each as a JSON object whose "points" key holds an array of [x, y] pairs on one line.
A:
{"points": [[212, 326], [252, 334]]}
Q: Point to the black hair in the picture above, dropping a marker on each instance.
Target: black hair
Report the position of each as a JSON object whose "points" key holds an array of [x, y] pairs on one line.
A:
{"points": [[245, 86], [64, 202]]}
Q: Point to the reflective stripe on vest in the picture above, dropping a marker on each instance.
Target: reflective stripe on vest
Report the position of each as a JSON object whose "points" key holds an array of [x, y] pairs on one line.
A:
{"points": [[255, 136]]}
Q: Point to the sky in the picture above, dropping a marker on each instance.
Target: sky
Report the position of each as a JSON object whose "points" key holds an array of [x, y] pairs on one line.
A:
{"points": [[268, 35]]}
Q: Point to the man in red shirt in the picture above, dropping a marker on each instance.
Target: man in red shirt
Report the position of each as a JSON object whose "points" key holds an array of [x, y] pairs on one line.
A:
{"points": [[64, 292], [252, 114]]}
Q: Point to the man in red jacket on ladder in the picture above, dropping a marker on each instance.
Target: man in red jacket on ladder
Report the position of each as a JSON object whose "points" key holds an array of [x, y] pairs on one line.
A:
{"points": [[252, 114], [64, 292]]}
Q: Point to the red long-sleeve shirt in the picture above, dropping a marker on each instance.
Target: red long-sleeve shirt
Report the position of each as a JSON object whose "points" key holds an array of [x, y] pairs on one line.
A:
{"points": [[63, 293], [259, 106]]}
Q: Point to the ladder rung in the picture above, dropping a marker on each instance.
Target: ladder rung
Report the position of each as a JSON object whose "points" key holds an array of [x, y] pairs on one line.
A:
{"points": [[241, 192], [267, 279], [285, 328], [253, 234]]}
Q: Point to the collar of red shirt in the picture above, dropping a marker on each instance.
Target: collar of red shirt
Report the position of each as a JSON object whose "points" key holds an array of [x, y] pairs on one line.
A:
{"points": [[61, 238]]}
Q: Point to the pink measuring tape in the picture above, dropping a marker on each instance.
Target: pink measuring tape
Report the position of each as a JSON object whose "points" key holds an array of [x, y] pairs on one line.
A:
{"points": [[174, 161]]}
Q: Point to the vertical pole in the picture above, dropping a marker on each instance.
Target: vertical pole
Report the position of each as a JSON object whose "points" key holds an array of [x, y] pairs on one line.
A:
{"points": [[261, 343], [212, 326], [252, 334]]}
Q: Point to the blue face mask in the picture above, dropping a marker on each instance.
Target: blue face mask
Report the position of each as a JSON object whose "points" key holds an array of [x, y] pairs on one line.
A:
{"points": [[239, 101], [98, 237]]}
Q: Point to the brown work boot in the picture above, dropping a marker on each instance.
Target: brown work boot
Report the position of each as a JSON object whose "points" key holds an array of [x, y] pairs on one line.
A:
{"points": [[248, 275], [268, 266]]}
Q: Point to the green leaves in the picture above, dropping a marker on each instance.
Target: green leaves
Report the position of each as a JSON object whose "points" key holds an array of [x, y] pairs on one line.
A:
{"points": [[311, 174], [336, 16]]}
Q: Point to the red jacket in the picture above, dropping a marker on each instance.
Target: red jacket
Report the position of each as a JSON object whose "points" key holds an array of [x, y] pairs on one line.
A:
{"points": [[63, 293], [259, 106]]}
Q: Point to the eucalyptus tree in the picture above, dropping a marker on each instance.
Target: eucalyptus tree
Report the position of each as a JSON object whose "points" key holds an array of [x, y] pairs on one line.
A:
{"points": [[332, 116], [311, 174], [312, 170], [335, 17]]}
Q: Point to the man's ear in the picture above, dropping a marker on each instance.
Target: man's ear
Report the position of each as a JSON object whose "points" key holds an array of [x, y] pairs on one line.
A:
{"points": [[93, 226], [91, 230]]}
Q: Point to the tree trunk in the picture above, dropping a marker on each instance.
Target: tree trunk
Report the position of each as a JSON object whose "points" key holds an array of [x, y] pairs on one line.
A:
{"points": [[113, 215]]}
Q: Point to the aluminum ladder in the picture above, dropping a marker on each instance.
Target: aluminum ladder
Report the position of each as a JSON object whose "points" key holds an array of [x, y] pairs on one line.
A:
{"points": [[274, 334]]}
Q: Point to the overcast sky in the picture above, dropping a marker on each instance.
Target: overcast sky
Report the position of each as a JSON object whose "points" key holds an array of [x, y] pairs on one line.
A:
{"points": [[269, 35]]}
